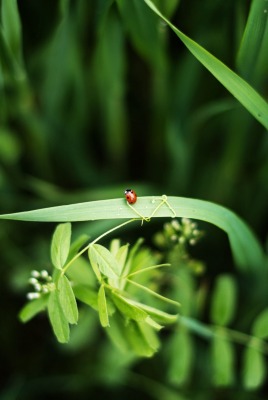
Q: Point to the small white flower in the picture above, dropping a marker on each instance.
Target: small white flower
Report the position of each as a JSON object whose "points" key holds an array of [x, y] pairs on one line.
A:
{"points": [[33, 281], [38, 287], [174, 238], [176, 225], [32, 296], [44, 273], [35, 274]]}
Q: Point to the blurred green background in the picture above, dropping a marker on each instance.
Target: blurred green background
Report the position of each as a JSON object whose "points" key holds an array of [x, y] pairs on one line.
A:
{"points": [[97, 96]]}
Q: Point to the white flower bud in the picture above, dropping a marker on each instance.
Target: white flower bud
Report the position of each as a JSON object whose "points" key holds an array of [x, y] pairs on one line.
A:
{"points": [[38, 287], [44, 273], [33, 281], [32, 296], [174, 238], [176, 225]]}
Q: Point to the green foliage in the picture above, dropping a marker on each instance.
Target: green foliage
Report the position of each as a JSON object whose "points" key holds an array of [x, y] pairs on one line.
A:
{"points": [[140, 319], [244, 93], [99, 96], [223, 360], [255, 369], [246, 249], [128, 306], [67, 300], [33, 308], [57, 317], [224, 300], [260, 327], [103, 260], [60, 245], [102, 306], [181, 357]]}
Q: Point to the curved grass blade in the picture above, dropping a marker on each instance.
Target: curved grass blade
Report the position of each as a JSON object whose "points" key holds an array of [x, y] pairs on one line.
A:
{"points": [[12, 27], [252, 39], [238, 87], [247, 252]]}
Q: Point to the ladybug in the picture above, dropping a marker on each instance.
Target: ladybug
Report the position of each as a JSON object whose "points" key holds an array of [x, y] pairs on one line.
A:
{"points": [[130, 196]]}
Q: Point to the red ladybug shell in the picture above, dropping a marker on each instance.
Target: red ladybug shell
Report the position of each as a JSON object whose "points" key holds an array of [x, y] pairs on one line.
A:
{"points": [[131, 196]]}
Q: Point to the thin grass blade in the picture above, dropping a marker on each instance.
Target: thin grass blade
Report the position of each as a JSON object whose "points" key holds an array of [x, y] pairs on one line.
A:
{"points": [[237, 86], [247, 252]]}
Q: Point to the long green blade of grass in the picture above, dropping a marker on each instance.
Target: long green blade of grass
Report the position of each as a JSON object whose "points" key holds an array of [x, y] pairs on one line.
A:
{"points": [[12, 27], [252, 38], [246, 249], [237, 86]]}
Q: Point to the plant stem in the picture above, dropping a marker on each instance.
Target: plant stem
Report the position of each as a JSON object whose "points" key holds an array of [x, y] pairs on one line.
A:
{"points": [[94, 241]]}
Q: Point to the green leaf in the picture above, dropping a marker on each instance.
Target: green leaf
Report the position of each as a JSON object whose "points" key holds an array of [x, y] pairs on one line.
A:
{"points": [[252, 39], [80, 272], [76, 246], [168, 7], [117, 332], [102, 306], [128, 309], [67, 300], [120, 253], [180, 356], [247, 252], [8, 63], [86, 295], [150, 335], [223, 303], [132, 253], [60, 245], [109, 79], [103, 260], [159, 316], [153, 293], [33, 307], [153, 324], [142, 338], [143, 29], [57, 318], [138, 337], [114, 246], [223, 361], [12, 26], [260, 325], [239, 88], [121, 257], [254, 368]]}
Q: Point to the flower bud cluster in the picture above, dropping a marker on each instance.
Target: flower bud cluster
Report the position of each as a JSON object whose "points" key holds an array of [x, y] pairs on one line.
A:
{"points": [[175, 232], [41, 282]]}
